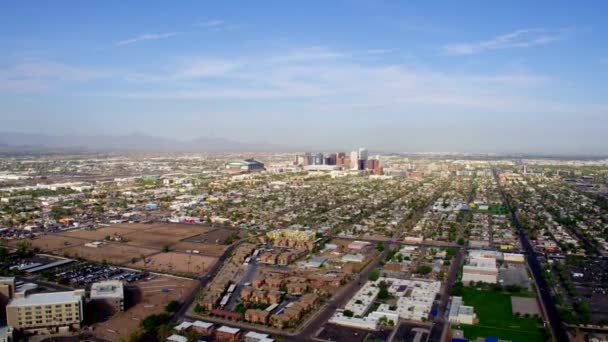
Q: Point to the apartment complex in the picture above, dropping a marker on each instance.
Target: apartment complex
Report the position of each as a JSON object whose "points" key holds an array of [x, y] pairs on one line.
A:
{"points": [[46, 312]]}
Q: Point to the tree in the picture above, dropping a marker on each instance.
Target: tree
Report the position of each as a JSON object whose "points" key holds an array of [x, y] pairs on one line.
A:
{"points": [[457, 289], [163, 332], [461, 241], [373, 275], [423, 269], [172, 306], [165, 248], [24, 249], [136, 336], [152, 322], [348, 313], [383, 293], [380, 246]]}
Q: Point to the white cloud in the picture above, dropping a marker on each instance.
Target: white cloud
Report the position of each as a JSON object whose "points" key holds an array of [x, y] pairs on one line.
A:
{"points": [[147, 36], [212, 23], [517, 39], [313, 75], [311, 54], [324, 79], [40, 75]]}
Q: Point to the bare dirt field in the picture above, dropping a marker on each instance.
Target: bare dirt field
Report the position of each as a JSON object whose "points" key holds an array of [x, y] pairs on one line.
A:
{"points": [[212, 250], [524, 306], [98, 234], [53, 242], [216, 236], [143, 298], [178, 263], [115, 253], [163, 235]]}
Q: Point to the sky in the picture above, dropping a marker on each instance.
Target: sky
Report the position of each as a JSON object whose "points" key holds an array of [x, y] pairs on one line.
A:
{"points": [[457, 76]]}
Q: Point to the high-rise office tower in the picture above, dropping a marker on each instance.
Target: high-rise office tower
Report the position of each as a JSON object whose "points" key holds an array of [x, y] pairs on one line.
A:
{"points": [[318, 160], [354, 160]]}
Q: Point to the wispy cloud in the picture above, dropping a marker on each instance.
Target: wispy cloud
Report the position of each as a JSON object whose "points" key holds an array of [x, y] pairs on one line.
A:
{"points": [[211, 23], [310, 75], [310, 54], [147, 36], [39, 75], [351, 84], [517, 39]]}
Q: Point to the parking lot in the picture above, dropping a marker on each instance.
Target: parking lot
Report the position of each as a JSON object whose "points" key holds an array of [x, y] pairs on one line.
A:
{"points": [[82, 274]]}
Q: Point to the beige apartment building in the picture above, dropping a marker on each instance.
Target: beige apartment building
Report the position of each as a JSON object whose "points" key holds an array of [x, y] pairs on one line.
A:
{"points": [[46, 312], [7, 289]]}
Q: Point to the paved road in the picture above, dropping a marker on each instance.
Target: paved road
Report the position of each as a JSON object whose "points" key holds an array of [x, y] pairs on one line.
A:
{"points": [[439, 327], [557, 328]]}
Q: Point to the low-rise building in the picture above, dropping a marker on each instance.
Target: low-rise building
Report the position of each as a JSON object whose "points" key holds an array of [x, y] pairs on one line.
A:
{"points": [[482, 269], [253, 336], [108, 295], [460, 313], [225, 333], [257, 316]]}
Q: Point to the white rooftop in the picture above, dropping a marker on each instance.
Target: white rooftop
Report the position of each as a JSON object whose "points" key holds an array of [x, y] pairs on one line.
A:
{"points": [[228, 330], [258, 336], [107, 289], [177, 338], [201, 324], [47, 298]]}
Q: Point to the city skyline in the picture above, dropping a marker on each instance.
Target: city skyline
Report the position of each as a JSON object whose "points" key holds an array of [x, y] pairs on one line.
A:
{"points": [[512, 78]]}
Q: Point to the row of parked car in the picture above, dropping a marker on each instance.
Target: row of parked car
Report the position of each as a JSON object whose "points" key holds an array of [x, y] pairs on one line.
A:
{"points": [[87, 274]]}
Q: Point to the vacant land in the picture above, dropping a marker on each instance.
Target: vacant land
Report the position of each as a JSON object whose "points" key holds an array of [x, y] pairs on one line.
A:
{"points": [[145, 241], [113, 252], [164, 235], [523, 306], [143, 299], [53, 242], [179, 263], [218, 236], [98, 234], [207, 249], [496, 318]]}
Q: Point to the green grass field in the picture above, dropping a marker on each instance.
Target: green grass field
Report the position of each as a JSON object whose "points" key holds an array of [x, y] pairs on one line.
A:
{"points": [[493, 310]]}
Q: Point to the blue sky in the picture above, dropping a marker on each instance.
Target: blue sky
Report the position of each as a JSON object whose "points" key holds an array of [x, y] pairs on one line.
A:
{"points": [[481, 76]]}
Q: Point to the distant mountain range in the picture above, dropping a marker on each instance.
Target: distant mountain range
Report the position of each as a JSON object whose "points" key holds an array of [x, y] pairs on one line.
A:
{"points": [[22, 142]]}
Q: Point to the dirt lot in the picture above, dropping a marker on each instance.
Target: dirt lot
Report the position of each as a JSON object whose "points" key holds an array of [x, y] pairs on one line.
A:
{"points": [[147, 298], [158, 236], [179, 263], [524, 306], [98, 234], [113, 252], [52, 242], [215, 236], [212, 250]]}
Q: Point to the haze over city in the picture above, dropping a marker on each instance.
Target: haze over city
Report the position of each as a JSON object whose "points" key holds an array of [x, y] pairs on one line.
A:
{"points": [[513, 77]]}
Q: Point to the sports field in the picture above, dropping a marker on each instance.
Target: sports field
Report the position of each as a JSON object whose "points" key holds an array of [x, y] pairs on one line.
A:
{"points": [[496, 319]]}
